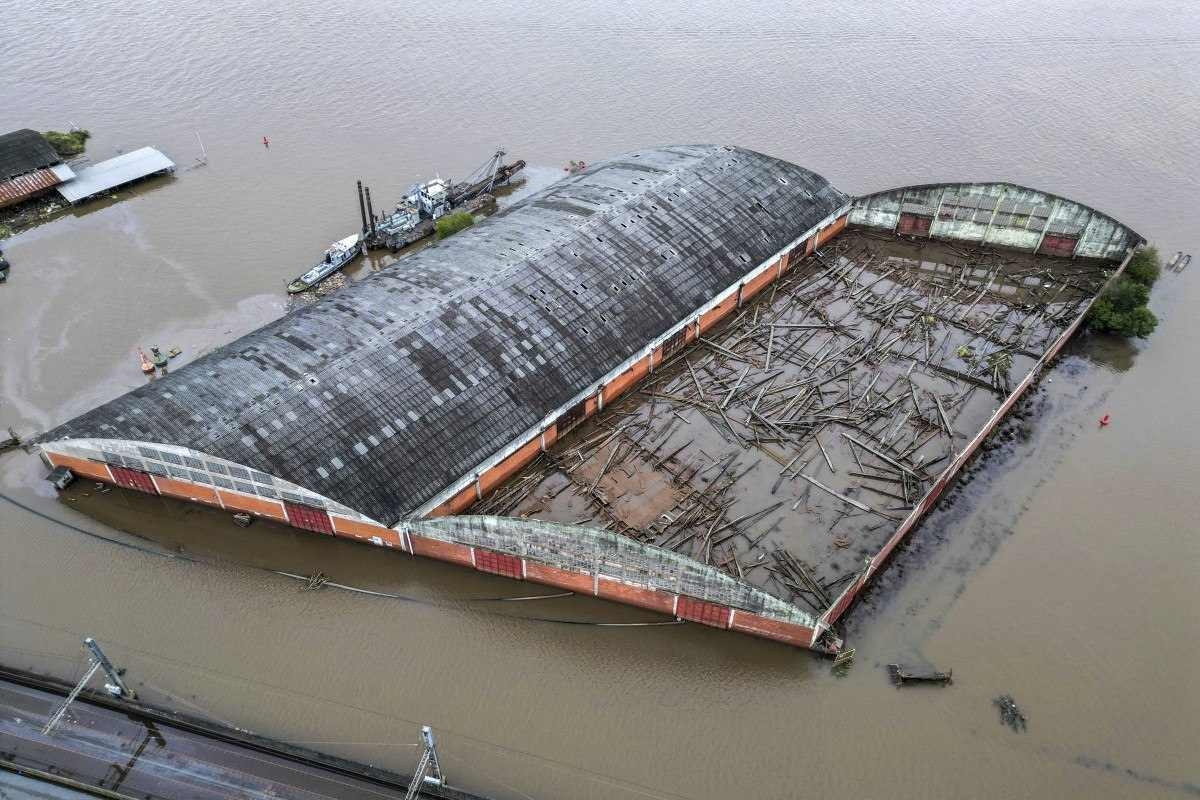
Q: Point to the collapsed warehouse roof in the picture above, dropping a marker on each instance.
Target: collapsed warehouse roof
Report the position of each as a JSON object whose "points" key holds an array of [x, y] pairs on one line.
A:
{"points": [[382, 395]]}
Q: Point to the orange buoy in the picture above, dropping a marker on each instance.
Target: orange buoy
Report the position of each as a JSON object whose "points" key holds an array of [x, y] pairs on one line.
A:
{"points": [[1104, 421]]}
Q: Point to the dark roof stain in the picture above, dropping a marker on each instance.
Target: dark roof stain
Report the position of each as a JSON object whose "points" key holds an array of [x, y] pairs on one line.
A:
{"points": [[24, 151]]}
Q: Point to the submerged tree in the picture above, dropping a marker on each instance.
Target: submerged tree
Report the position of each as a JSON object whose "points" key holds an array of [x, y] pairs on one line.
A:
{"points": [[1122, 310], [68, 144], [1144, 267]]}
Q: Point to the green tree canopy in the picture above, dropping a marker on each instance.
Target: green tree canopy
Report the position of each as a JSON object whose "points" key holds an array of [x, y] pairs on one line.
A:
{"points": [[453, 223], [1144, 267], [1122, 310]]}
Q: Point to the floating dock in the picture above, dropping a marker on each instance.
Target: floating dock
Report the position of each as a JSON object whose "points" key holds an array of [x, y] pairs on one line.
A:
{"points": [[114, 173], [697, 380]]}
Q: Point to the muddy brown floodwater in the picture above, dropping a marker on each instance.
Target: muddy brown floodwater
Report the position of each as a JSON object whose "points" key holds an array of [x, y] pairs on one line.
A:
{"points": [[1063, 570]]}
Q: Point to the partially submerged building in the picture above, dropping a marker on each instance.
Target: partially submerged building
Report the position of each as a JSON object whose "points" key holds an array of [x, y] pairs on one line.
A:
{"points": [[411, 396], [29, 167], [115, 173]]}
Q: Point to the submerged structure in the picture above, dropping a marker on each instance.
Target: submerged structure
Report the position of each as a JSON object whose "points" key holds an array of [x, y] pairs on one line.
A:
{"points": [[114, 173], [702, 308], [29, 167]]}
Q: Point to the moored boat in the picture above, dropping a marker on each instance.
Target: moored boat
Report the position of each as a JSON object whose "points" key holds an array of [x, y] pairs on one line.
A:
{"points": [[339, 254], [144, 362], [414, 218]]}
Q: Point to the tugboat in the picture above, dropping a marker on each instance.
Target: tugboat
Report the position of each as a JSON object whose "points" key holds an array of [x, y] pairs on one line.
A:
{"points": [[339, 254]]}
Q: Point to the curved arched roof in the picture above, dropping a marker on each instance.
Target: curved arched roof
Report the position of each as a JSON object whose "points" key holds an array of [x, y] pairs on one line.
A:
{"points": [[383, 394], [967, 186], [999, 213]]}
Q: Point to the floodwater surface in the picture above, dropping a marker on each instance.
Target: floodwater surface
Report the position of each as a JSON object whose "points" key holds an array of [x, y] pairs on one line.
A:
{"points": [[1062, 570]]}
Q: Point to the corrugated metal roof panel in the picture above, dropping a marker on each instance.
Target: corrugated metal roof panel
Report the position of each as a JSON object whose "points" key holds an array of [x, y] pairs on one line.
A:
{"points": [[385, 393], [22, 187], [115, 172]]}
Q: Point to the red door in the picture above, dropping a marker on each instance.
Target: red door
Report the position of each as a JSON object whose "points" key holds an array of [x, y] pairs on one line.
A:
{"points": [[914, 225], [706, 613], [1056, 244], [308, 518], [133, 479], [498, 563]]}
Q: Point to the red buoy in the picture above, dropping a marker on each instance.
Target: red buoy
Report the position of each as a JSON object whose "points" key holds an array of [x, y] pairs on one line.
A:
{"points": [[1104, 420]]}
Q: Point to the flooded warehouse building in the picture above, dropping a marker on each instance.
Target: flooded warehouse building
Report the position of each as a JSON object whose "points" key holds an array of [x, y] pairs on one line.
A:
{"points": [[694, 379]]}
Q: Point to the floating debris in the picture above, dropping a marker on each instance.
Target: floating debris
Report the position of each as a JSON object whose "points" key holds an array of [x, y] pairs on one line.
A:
{"points": [[1010, 714], [1179, 261], [326, 287], [901, 676], [61, 477], [314, 582], [144, 361], [175, 351], [242, 520], [11, 442], [842, 663]]}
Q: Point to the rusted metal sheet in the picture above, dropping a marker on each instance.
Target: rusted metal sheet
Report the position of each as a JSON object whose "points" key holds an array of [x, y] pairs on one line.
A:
{"points": [[23, 187]]}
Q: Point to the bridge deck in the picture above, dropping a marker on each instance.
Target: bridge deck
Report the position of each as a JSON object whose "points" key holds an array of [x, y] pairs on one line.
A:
{"points": [[129, 751]]}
